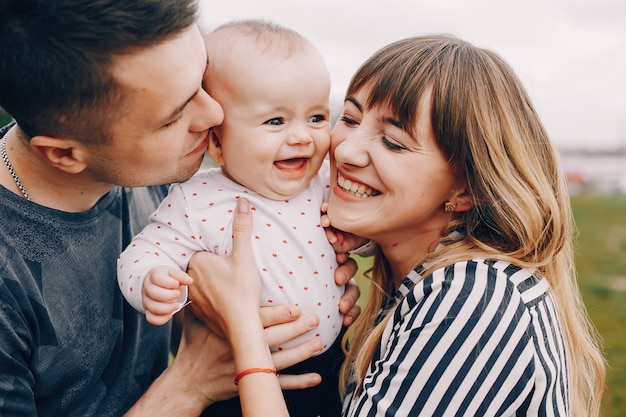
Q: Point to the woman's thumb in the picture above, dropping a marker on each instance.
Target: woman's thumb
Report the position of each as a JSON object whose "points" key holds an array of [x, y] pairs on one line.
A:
{"points": [[242, 226]]}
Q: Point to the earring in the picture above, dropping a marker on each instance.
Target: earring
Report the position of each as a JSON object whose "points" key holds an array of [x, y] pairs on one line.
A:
{"points": [[449, 206]]}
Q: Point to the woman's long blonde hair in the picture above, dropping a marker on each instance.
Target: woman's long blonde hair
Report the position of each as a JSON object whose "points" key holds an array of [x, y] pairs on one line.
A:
{"points": [[485, 124]]}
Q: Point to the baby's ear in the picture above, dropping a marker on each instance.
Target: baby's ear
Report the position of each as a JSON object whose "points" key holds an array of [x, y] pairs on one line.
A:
{"points": [[215, 148]]}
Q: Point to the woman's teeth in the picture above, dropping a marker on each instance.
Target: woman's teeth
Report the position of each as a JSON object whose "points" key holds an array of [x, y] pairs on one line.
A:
{"points": [[355, 188]]}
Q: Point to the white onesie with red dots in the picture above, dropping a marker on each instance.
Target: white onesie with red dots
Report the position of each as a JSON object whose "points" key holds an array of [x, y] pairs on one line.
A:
{"points": [[295, 261]]}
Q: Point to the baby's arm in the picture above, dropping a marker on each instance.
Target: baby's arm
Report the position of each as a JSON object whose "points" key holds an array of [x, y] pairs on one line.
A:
{"points": [[164, 293], [168, 241]]}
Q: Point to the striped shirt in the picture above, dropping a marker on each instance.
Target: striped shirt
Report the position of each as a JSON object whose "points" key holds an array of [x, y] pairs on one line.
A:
{"points": [[478, 338]]}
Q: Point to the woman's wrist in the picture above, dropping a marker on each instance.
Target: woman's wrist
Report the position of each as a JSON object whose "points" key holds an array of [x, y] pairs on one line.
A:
{"points": [[248, 342]]}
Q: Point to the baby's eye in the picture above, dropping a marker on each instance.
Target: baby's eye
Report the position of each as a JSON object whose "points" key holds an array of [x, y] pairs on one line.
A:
{"points": [[318, 118], [391, 145], [277, 121]]}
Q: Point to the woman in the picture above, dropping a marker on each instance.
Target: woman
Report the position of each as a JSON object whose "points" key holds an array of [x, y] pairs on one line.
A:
{"points": [[440, 158]]}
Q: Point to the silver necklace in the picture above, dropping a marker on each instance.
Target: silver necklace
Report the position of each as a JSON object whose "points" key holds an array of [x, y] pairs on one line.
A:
{"points": [[5, 158]]}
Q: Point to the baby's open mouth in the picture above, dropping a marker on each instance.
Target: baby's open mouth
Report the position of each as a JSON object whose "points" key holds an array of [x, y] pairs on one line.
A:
{"points": [[291, 164]]}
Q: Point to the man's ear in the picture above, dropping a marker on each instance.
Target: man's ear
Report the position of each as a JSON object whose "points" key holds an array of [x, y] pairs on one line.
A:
{"points": [[215, 148], [68, 155]]}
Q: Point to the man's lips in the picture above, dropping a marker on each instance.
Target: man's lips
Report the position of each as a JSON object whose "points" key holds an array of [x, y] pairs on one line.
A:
{"points": [[202, 146]]}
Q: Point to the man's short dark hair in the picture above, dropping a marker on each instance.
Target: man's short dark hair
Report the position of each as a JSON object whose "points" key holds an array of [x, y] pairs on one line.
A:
{"points": [[56, 58]]}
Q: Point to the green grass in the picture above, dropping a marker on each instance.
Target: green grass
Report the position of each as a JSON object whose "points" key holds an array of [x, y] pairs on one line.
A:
{"points": [[601, 262]]}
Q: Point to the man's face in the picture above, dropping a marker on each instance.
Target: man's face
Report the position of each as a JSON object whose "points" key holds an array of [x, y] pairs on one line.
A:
{"points": [[163, 135]]}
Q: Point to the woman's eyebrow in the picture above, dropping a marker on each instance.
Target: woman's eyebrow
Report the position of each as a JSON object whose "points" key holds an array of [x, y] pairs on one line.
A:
{"points": [[355, 102], [393, 121]]}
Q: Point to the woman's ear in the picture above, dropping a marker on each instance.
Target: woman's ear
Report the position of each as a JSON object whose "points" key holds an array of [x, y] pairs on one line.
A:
{"points": [[215, 148], [462, 199], [68, 155]]}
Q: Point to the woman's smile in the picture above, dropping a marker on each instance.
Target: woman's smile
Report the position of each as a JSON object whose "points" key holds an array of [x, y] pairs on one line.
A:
{"points": [[356, 188]]}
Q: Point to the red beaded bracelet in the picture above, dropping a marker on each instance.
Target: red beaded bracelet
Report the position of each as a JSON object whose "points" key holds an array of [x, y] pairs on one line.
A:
{"points": [[253, 371]]}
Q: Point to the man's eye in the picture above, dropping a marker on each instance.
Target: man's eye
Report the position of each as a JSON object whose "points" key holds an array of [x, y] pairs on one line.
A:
{"points": [[277, 121], [391, 145], [173, 122]]}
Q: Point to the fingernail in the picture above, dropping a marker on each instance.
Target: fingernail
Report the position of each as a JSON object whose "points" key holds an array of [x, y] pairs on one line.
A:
{"points": [[318, 348], [243, 206], [310, 321], [293, 312]]}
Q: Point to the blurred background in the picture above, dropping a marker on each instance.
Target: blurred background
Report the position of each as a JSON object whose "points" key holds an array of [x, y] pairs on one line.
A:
{"points": [[571, 57]]}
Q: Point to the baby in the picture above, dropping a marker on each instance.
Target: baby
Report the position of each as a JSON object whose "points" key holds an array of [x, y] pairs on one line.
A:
{"points": [[274, 88]]}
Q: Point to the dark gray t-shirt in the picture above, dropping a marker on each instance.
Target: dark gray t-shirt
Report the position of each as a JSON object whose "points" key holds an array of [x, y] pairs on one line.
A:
{"points": [[69, 343]]}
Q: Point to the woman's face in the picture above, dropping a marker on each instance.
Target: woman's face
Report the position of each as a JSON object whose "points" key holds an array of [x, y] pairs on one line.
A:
{"points": [[385, 184]]}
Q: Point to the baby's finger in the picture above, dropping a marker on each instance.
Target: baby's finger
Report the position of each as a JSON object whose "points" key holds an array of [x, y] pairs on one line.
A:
{"points": [[181, 276], [166, 277], [164, 295], [160, 308], [157, 319], [331, 234]]}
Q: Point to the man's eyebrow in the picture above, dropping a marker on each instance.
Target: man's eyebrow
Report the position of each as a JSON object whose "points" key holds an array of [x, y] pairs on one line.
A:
{"points": [[182, 106]]}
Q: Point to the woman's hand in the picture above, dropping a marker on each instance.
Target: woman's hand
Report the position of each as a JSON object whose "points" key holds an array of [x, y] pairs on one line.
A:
{"points": [[229, 300], [205, 359], [228, 287]]}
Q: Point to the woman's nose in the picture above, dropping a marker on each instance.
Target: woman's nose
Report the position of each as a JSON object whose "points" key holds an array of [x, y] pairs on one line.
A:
{"points": [[351, 150]]}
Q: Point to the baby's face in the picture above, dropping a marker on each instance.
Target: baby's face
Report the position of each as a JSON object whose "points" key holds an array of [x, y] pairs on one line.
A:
{"points": [[276, 129]]}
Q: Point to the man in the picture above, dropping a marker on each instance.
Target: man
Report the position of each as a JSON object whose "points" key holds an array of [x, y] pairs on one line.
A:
{"points": [[105, 93]]}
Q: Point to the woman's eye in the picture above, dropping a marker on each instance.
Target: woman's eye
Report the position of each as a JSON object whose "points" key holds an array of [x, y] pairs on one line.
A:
{"points": [[318, 118], [277, 121], [391, 145], [348, 120]]}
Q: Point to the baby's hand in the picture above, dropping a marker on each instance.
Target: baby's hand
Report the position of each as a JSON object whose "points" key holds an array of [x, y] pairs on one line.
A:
{"points": [[342, 242], [163, 293]]}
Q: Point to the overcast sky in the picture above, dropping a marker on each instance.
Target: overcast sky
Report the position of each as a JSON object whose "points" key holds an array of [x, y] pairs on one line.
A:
{"points": [[570, 54]]}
